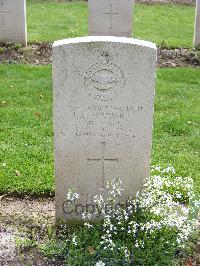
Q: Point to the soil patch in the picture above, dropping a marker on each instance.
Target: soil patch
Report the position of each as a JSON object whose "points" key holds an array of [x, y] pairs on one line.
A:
{"points": [[34, 54], [41, 54], [18, 217], [178, 57]]}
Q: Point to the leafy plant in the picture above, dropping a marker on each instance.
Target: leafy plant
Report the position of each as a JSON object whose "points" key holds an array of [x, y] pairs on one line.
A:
{"points": [[152, 229]]}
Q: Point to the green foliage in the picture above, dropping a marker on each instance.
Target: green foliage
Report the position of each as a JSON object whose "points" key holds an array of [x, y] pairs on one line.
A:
{"points": [[25, 243], [159, 247], [16, 45], [166, 25], [153, 229], [55, 248]]}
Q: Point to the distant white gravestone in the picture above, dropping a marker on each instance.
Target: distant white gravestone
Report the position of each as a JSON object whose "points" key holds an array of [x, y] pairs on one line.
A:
{"points": [[197, 26], [103, 115], [110, 17], [13, 21]]}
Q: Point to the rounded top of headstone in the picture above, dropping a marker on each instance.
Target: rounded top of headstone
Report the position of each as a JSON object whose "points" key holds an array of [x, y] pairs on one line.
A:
{"points": [[112, 39]]}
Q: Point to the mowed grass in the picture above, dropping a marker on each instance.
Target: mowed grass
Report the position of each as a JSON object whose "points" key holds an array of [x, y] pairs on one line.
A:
{"points": [[176, 139], [168, 25], [26, 134]]}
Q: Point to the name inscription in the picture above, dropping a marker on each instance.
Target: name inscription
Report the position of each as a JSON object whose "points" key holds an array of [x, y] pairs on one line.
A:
{"points": [[106, 121]]}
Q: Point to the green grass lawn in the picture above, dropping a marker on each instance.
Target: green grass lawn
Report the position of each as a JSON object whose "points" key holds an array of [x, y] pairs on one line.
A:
{"points": [[26, 134], [170, 25], [26, 129]]}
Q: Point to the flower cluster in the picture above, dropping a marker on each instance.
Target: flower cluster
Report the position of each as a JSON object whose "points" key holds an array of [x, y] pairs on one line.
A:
{"points": [[72, 195], [167, 207]]}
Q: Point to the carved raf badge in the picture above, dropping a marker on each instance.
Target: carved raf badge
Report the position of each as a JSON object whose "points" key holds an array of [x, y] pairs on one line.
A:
{"points": [[104, 80]]}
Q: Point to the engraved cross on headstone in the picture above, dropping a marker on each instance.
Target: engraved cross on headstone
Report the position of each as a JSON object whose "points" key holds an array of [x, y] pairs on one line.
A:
{"points": [[102, 160], [2, 14], [111, 13]]}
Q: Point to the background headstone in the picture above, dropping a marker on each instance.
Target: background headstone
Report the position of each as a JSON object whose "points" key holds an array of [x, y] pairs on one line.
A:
{"points": [[110, 17], [197, 25], [103, 114], [13, 21]]}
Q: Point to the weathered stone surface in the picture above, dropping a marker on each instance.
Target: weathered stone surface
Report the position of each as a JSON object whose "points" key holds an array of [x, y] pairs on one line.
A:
{"points": [[13, 21], [110, 17], [197, 26], [103, 114]]}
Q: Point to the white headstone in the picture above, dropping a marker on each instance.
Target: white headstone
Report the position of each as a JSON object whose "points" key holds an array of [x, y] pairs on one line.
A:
{"points": [[13, 21], [103, 115], [197, 25], [110, 17]]}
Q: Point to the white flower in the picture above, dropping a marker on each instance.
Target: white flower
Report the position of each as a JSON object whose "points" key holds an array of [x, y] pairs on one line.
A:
{"points": [[136, 244], [72, 194], [88, 225], [100, 263], [160, 198], [168, 170], [86, 216], [74, 241]]}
